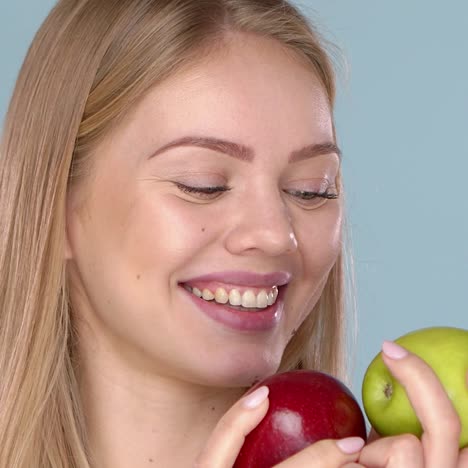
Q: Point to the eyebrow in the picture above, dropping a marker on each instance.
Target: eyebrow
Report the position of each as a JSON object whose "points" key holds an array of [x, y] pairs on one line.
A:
{"points": [[245, 153]]}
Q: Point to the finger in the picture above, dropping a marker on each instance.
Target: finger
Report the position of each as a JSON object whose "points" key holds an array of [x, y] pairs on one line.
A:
{"points": [[439, 420], [225, 442], [463, 459], [394, 452], [326, 454]]}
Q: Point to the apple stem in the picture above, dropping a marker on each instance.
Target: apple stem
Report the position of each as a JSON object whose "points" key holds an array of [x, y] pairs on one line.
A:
{"points": [[388, 391]]}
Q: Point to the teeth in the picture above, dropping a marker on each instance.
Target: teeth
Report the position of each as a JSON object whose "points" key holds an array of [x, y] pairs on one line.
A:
{"points": [[235, 297], [221, 296], [208, 295], [271, 298], [262, 299], [248, 299]]}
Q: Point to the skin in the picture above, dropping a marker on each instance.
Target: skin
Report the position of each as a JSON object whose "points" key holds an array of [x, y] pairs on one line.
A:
{"points": [[441, 425], [133, 235], [161, 384], [437, 448]]}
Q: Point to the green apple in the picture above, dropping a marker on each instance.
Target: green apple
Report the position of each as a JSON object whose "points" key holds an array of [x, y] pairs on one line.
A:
{"points": [[385, 402]]}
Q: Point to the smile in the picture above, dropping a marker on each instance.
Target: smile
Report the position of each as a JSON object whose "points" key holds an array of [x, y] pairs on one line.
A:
{"points": [[249, 298]]}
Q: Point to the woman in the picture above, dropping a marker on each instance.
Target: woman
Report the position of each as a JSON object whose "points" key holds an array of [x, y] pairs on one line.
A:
{"points": [[160, 159]]}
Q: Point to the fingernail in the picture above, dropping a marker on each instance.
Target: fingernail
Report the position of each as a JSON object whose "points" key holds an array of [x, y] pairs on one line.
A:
{"points": [[393, 351], [350, 444], [256, 398]]}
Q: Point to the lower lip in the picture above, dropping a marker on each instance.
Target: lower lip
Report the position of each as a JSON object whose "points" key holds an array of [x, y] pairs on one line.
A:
{"points": [[261, 320]]}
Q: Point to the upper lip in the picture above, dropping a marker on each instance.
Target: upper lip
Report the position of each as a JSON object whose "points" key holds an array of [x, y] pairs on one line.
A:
{"points": [[246, 278]]}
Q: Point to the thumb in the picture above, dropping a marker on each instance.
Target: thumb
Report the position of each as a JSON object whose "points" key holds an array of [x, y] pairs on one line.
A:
{"points": [[225, 442]]}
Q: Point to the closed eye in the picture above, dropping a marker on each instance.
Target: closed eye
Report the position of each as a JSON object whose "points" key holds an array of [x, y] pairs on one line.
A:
{"points": [[203, 191], [305, 195], [310, 200]]}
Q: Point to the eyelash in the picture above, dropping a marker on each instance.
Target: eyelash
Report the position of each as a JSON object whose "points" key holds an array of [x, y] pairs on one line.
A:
{"points": [[203, 190], [311, 195], [212, 190]]}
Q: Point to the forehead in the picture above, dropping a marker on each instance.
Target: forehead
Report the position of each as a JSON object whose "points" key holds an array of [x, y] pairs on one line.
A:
{"points": [[251, 87]]}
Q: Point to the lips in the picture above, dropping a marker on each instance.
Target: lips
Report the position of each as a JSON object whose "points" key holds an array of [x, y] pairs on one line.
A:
{"points": [[244, 278], [259, 320]]}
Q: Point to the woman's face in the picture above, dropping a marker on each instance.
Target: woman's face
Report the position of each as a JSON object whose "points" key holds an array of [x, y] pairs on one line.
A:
{"points": [[140, 242]]}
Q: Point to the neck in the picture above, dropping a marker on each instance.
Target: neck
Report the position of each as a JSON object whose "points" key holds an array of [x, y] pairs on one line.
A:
{"points": [[146, 421]]}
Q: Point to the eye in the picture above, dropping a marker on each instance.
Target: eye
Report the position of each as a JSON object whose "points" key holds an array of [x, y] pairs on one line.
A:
{"points": [[314, 199], [203, 192]]}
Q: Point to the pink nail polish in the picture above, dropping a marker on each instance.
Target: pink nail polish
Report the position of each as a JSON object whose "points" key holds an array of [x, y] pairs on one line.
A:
{"points": [[350, 444], [393, 351], [256, 398]]}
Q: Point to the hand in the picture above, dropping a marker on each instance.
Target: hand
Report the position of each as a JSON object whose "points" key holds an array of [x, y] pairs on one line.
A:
{"points": [[226, 440], [438, 447]]}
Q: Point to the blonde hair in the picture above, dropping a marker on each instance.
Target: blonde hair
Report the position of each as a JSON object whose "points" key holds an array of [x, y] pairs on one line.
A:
{"points": [[89, 64]]}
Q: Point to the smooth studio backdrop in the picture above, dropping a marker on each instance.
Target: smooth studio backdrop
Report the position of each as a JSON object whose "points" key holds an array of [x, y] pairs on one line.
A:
{"points": [[402, 117]]}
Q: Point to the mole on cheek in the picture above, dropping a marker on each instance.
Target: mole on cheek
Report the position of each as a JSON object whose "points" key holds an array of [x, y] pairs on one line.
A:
{"points": [[203, 229], [138, 277]]}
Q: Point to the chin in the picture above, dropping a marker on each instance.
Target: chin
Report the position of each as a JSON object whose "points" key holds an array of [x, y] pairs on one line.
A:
{"points": [[243, 371]]}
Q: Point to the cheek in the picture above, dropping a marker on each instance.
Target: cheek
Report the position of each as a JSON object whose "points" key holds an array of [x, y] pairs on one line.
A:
{"points": [[164, 231], [319, 243], [127, 245], [123, 235], [320, 239]]}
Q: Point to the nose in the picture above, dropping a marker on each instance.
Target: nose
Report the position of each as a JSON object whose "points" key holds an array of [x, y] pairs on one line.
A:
{"points": [[262, 224]]}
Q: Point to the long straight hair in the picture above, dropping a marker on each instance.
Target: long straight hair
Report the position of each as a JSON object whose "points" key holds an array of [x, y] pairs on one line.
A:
{"points": [[89, 64]]}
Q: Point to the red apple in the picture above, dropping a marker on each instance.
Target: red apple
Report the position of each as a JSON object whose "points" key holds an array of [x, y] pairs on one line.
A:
{"points": [[305, 406]]}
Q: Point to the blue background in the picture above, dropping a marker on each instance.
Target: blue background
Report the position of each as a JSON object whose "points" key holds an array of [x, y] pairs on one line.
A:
{"points": [[402, 116]]}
